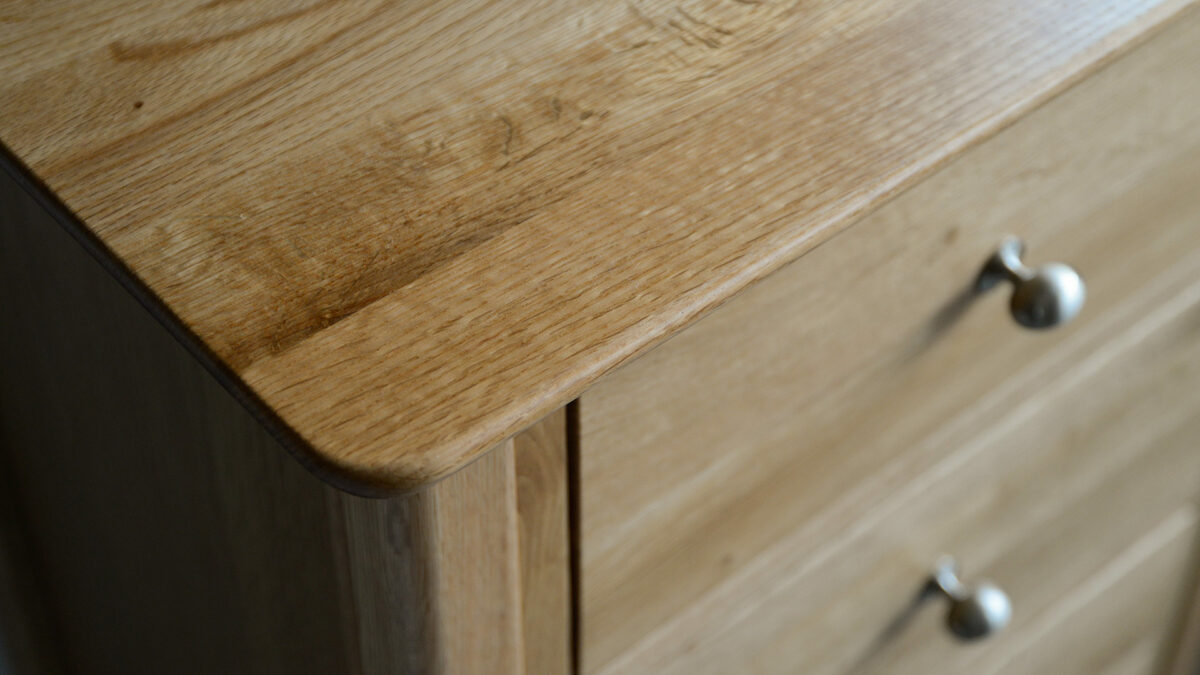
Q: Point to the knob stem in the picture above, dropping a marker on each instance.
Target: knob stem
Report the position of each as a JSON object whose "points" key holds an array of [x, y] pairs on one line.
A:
{"points": [[1005, 265], [975, 611], [1044, 296], [945, 578]]}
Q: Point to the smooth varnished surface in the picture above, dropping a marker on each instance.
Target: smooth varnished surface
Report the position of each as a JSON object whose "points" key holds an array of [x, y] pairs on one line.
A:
{"points": [[408, 230], [759, 444], [148, 524]]}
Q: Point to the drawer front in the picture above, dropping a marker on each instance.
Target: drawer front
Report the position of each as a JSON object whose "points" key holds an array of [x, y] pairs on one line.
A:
{"points": [[1080, 502], [769, 439]]}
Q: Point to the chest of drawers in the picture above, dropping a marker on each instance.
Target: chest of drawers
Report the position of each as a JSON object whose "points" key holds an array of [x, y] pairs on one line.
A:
{"points": [[613, 339]]}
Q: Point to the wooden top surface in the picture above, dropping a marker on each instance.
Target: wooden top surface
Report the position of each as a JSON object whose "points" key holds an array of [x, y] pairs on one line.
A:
{"points": [[408, 230]]}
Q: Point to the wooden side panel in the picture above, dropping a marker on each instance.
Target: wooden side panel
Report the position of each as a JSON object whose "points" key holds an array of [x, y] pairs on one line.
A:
{"points": [[171, 533], [486, 551], [457, 544], [543, 508], [27, 635]]}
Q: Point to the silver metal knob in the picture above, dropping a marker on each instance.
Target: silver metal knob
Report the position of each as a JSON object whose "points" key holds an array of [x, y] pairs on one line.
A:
{"points": [[1044, 296], [975, 611]]}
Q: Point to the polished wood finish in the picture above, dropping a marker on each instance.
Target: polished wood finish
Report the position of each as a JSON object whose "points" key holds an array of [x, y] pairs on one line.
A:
{"points": [[543, 511], [758, 445], [396, 238], [457, 546], [1120, 619], [1098, 482], [487, 548], [1185, 658], [407, 231], [169, 531], [1072, 493], [165, 531]]}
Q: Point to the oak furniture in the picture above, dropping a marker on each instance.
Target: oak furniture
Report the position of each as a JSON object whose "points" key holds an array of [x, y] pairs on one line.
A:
{"points": [[578, 337]]}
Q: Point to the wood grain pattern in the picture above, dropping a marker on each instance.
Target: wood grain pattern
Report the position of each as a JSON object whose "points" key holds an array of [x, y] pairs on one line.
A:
{"points": [[880, 368], [543, 512], [1117, 622], [1061, 493], [435, 577], [414, 229], [1185, 655], [171, 534], [486, 549]]}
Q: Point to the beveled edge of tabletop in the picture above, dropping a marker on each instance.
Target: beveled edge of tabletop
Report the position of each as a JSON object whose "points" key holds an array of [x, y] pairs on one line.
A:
{"points": [[328, 399], [342, 478]]}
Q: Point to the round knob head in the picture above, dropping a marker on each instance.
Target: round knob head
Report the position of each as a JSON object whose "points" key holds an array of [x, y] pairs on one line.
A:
{"points": [[984, 611], [1051, 296]]}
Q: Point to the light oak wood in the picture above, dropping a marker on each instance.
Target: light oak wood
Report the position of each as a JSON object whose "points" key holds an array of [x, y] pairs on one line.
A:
{"points": [[404, 232], [457, 545], [168, 532], [1131, 413], [543, 510], [1058, 495], [1185, 658], [1118, 620], [487, 548], [755, 442]]}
